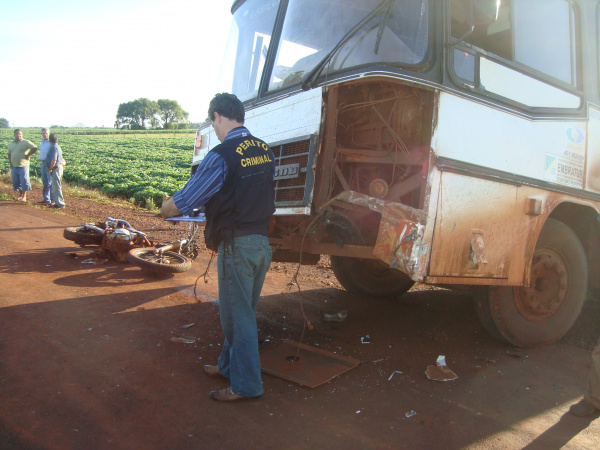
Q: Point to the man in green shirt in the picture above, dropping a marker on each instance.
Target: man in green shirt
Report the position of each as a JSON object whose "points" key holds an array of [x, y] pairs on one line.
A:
{"points": [[19, 152]]}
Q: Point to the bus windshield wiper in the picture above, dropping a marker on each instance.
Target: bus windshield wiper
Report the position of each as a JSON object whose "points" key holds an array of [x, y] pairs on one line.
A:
{"points": [[308, 81], [384, 21]]}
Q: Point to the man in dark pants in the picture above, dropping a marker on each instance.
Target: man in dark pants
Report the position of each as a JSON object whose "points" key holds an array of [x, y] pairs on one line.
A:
{"points": [[235, 184], [45, 175], [590, 404]]}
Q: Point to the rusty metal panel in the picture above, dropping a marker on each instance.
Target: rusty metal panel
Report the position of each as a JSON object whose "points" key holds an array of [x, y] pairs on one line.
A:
{"points": [[303, 364], [475, 226]]}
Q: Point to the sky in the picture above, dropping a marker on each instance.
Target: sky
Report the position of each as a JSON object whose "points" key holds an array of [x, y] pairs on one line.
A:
{"points": [[69, 62]]}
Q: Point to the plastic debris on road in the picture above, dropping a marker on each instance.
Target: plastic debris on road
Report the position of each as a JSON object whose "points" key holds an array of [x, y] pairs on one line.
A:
{"points": [[440, 372], [393, 373], [184, 340], [337, 317], [94, 261]]}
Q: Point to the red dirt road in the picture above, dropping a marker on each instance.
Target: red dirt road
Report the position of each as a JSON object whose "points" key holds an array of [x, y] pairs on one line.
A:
{"points": [[87, 361]]}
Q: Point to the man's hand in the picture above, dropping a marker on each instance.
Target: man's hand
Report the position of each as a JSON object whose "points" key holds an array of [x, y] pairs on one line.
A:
{"points": [[168, 208]]}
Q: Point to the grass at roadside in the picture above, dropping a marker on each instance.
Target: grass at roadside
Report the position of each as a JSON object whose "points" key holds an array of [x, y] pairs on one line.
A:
{"points": [[72, 191], [145, 169]]}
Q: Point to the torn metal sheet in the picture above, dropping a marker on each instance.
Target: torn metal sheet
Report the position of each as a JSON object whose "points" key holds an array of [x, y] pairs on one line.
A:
{"points": [[303, 364], [478, 255], [399, 240], [440, 372]]}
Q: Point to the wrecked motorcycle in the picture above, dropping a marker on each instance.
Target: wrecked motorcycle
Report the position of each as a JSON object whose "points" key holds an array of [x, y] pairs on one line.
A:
{"points": [[118, 239]]}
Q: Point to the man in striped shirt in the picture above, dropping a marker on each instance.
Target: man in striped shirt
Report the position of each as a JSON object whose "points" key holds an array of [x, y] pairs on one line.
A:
{"points": [[235, 184]]}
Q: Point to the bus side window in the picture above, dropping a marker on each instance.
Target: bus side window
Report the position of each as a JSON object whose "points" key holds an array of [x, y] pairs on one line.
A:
{"points": [[536, 33], [543, 37], [464, 65]]}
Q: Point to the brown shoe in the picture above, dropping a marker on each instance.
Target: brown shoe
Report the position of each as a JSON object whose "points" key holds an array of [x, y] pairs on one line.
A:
{"points": [[212, 371], [226, 395], [583, 409]]}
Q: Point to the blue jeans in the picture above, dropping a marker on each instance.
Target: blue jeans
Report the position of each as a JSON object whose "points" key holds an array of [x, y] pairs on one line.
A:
{"points": [[46, 182], [242, 268], [56, 195], [20, 178]]}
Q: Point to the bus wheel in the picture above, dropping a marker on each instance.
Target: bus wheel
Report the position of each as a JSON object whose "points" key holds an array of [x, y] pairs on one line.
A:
{"points": [[370, 277], [545, 311], [481, 301]]}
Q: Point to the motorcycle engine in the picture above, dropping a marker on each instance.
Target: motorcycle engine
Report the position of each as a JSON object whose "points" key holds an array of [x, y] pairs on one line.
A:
{"points": [[119, 243]]}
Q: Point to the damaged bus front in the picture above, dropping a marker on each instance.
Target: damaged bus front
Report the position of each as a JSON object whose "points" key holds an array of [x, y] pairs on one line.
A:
{"points": [[442, 142]]}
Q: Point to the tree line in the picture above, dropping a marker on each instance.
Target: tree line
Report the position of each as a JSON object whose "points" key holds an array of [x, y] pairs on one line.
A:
{"points": [[143, 113]]}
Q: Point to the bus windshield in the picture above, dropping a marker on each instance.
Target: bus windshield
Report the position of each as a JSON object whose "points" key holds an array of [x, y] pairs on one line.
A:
{"points": [[247, 47], [396, 35], [339, 35]]}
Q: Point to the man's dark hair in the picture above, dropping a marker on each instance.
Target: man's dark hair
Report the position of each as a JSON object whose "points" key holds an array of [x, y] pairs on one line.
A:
{"points": [[53, 138], [228, 105], [17, 130]]}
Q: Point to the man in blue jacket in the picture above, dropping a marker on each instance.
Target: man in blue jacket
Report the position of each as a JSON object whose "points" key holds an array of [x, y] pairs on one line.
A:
{"points": [[235, 184]]}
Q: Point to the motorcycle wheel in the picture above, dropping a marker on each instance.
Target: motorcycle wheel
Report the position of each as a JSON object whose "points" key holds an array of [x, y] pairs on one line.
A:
{"points": [[168, 262], [83, 236]]}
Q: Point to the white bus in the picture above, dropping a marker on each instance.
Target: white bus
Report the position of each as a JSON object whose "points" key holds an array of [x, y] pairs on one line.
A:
{"points": [[445, 142]]}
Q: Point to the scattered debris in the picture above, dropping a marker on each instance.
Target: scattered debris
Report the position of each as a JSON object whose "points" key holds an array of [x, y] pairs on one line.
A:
{"points": [[393, 373], [184, 340], [94, 261], [366, 339], [337, 317], [515, 352], [485, 360], [440, 372], [71, 254], [410, 413]]}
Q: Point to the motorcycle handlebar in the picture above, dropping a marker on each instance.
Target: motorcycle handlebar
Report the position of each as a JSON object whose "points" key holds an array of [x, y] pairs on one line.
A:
{"points": [[123, 223]]}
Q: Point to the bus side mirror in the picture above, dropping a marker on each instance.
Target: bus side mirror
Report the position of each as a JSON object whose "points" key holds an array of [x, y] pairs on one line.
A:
{"points": [[475, 13], [485, 12]]}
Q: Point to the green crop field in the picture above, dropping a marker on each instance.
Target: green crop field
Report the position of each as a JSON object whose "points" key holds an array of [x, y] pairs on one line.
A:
{"points": [[145, 168]]}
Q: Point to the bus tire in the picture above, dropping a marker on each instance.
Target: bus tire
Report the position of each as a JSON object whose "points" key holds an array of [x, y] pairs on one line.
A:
{"points": [[83, 236], [481, 301], [169, 262], [370, 277], [544, 312]]}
